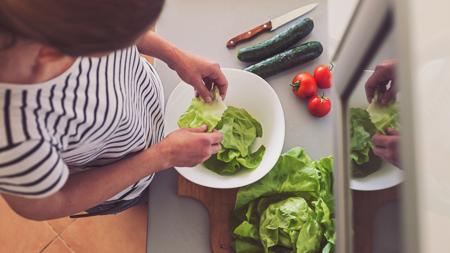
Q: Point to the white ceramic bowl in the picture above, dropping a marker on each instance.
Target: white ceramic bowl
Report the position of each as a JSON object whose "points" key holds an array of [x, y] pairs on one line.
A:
{"points": [[388, 175], [255, 95]]}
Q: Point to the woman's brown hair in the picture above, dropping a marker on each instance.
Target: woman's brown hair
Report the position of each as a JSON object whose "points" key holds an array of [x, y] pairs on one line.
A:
{"points": [[78, 27]]}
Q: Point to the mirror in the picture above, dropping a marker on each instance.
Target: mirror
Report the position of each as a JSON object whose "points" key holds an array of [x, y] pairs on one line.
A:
{"points": [[374, 137]]}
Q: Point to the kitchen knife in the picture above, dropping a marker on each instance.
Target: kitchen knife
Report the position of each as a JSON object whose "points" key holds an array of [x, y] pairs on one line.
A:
{"points": [[272, 24]]}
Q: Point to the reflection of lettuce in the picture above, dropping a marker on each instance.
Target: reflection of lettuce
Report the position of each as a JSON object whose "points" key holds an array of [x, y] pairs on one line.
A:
{"points": [[240, 131], [383, 117], [361, 131], [364, 123], [200, 113], [288, 210]]}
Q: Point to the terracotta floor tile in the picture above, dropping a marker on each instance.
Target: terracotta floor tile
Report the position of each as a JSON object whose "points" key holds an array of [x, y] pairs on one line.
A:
{"points": [[59, 225], [57, 246], [19, 235], [124, 232]]}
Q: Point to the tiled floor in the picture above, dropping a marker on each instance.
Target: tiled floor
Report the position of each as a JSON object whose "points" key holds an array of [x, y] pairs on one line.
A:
{"points": [[124, 232]]}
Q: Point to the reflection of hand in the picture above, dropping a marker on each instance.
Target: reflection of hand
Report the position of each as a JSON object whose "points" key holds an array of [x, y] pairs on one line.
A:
{"points": [[386, 146], [188, 147], [201, 74], [384, 73]]}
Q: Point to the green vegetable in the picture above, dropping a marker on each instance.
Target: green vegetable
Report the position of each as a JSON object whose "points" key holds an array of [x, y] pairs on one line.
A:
{"points": [[253, 160], [243, 246], [278, 43], [240, 131], [361, 131], [383, 116], [299, 55], [364, 123], [200, 113], [290, 223], [288, 210]]}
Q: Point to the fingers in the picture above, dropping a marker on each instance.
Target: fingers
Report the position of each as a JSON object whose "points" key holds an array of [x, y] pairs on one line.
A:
{"points": [[208, 83], [383, 153], [389, 95], [386, 146], [386, 141], [215, 138], [201, 129], [201, 89], [384, 73], [215, 148], [392, 131], [380, 140], [216, 75], [388, 155]]}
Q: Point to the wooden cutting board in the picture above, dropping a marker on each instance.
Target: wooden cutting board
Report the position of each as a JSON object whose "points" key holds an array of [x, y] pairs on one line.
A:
{"points": [[219, 203]]}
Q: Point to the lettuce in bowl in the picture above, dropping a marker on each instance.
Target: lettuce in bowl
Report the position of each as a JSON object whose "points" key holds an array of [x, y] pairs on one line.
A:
{"points": [[240, 131]]}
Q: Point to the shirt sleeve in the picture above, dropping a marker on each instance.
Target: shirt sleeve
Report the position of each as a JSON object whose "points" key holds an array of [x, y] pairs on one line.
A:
{"points": [[32, 169]]}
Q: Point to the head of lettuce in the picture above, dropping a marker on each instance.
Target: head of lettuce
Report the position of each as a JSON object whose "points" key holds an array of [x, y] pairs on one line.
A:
{"points": [[240, 131], [289, 210]]}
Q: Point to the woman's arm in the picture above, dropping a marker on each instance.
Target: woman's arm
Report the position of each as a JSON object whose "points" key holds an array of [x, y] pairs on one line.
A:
{"points": [[191, 68], [184, 147], [87, 189]]}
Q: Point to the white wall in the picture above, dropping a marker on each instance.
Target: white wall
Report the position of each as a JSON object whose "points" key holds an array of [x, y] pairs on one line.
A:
{"points": [[430, 80]]}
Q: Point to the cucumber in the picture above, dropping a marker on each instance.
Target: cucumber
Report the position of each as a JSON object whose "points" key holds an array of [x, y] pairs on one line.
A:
{"points": [[298, 55], [277, 44]]}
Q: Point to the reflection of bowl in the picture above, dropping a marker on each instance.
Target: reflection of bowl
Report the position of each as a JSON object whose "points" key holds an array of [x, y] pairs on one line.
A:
{"points": [[255, 95], [387, 175]]}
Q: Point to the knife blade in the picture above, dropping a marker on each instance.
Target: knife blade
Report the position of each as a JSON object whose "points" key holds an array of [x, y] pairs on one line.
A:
{"points": [[272, 24]]}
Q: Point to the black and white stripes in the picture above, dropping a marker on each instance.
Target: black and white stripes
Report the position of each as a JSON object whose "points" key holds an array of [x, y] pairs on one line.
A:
{"points": [[97, 112]]}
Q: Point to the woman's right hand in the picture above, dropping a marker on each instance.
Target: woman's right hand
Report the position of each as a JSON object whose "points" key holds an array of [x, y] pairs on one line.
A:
{"points": [[383, 75], [188, 147]]}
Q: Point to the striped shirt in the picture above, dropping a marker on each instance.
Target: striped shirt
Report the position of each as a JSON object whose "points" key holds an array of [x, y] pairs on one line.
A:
{"points": [[99, 111]]}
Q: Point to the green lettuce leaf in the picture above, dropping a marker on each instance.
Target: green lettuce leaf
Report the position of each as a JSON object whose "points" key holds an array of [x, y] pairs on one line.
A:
{"points": [[221, 167], [383, 116], [290, 169], [200, 113], [243, 246], [253, 160], [227, 155], [361, 131], [246, 230], [365, 169], [240, 130]]}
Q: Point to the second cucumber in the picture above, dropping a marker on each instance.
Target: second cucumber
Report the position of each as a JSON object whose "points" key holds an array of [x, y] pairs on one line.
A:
{"points": [[296, 56], [277, 44]]}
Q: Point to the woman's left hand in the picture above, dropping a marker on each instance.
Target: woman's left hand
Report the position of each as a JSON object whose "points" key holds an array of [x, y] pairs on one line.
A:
{"points": [[201, 74], [386, 146]]}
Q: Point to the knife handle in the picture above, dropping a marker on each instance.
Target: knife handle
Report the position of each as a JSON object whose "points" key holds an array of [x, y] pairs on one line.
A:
{"points": [[249, 34]]}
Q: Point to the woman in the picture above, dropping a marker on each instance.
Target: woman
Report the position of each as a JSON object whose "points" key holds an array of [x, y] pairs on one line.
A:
{"points": [[81, 113]]}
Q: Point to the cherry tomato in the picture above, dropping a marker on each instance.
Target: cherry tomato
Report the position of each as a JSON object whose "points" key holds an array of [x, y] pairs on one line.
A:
{"points": [[319, 106], [304, 85], [323, 76]]}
